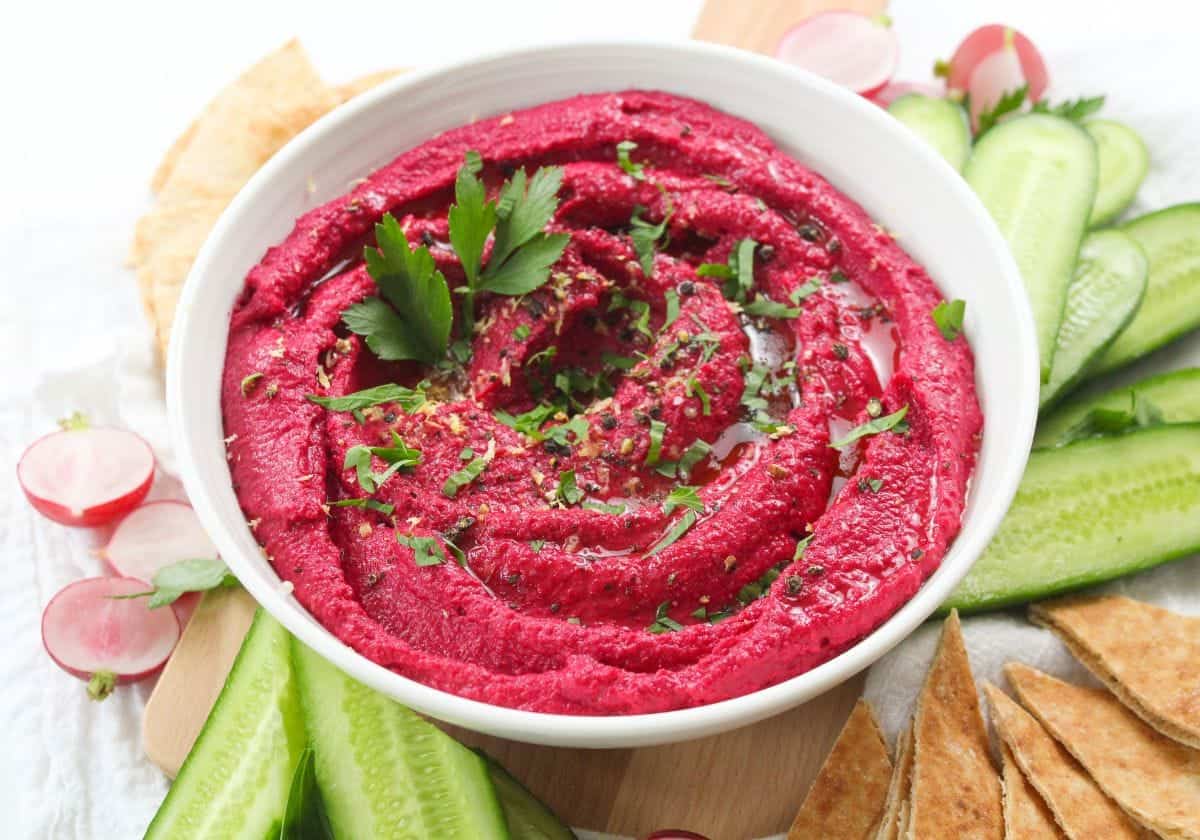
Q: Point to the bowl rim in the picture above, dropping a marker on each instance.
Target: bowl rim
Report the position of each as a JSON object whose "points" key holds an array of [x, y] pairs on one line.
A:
{"points": [[605, 731]]}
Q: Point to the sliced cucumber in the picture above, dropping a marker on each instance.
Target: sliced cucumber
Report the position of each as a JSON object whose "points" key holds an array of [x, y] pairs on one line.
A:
{"points": [[1175, 394], [527, 817], [939, 122], [1171, 240], [235, 780], [1110, 279], [1036, 175], [383, 771], [1089, 512], [1124, 161]]}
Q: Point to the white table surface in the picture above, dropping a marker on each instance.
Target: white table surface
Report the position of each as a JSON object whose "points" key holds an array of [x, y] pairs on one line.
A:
{"points": [[92, 94]]}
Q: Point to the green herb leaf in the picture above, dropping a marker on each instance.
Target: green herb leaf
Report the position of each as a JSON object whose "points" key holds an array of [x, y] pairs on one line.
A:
{"points": [[657, 428], [948, 315], [755, 589], [196, 575], [536, 545], [676, 531], [614, 510], [304, 817], [693, 455], [871, 427], [369, 504], [471, 218], [76, 421], [528, 423], [411, 319], [634, 170], [801, 547], [461, 478], [521, 332], [694, 388], [805, 290], [762, 306], [683, 496], [647, 237], [672, 316], [527, 268], [409, 399], [523, 213], [249, 381], [1076, 110], [1106, 422], [568, 492], [1008, 102], [738, 272], [427, 551], [663, 623], [398, 456]]}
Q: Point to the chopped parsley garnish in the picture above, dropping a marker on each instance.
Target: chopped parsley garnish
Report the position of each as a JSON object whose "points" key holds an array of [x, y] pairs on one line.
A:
{"points": [[619, 362], [521, 332], [1009, 102], [683, 496], [663, 623], [369, 504], [574, 431], [427, 551], [672, 316], [873, 427], [695, 389], [676, 531], [738, 271], [528, 423], [568, 493], [1076, 110], [409, 399], [647, 238], [1103, 422], [249, 381], [874, 485], [720, 181], [461, 478], [614, 510], [801, 547], [634, 170], [536, 545], [411, 317], [693, 455], [542, 357], [948, 315], [398, 456], [657, 428], [837, 276], [755, 589], [805, 290], [762, 306]]}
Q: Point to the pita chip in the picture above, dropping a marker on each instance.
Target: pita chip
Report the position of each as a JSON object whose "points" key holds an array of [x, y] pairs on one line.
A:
{"points": [[1155, 779], [1079, 807], [232, 138], [1026, 816], [1147, 656], [898, 789], [955, 789], [847, 797]]}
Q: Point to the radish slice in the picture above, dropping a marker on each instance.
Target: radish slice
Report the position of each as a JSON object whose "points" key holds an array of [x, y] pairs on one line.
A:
{"points": [[94, 636], [86, 476], [156, 535], [892, 91], [856, 51], [985, 41]]}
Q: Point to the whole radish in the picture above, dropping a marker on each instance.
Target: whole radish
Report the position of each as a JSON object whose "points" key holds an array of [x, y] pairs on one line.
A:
{"points": [[994, 60]]}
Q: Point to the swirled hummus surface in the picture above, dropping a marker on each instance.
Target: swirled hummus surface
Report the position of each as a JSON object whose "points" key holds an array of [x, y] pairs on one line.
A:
{"points": [[668, 524]]}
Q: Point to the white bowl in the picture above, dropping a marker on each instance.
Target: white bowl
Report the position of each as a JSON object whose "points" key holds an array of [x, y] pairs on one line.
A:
{"points": [[863, 151]]}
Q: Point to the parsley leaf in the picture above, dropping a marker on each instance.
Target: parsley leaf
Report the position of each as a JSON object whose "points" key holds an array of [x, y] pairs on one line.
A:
{"points": [[195, 575], [683, 496], [1008, 102], [805, 290], [634, 170], [411, 318], [398, 456], [369, 504], [948, 315], [528, 423], [521, 214], [737, 272], [614, 510], [676, 531], [409, 399], [873, 427], [1075, 110], [427, 551], [568, 492], [663, 623], [762, 306], [657, 428], [672, 315], [801, 547], [1103, 422], [647, 237], [461, 478], [694, 388], [471, 218]]}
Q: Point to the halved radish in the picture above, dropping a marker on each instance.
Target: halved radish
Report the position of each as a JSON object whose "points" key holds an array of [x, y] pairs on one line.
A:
{"points": [[854, 50], [155, 535], [93, 634], [86, 476], [892, 91], [982, 43]]}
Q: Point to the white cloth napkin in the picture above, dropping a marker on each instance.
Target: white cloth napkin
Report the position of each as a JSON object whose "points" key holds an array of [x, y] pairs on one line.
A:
{"points": [[74, 769]]}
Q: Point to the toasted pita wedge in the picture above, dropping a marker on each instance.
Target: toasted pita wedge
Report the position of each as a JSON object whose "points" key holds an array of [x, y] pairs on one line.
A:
{"points": [[955, 789], [363, 84], [847, 797], [1147, 656], [1079, 807], [898, 789], [1026, 816], [235, 135], [1155, 779]]}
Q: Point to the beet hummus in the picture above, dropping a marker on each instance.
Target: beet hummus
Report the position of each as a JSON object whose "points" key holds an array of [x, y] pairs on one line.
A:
{"points": [[723, 440]]}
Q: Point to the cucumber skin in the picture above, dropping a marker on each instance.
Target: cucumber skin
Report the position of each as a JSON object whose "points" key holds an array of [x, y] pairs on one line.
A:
{"points": [[1109, 205], [323, 687], [1176, 393], [1027, 571], [1141, 337], [1135, 254], [917, 112], [1038, 269], [265, 652], [527, 817]]}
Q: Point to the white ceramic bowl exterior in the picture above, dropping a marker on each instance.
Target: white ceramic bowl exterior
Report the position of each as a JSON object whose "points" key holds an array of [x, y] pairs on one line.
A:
{"points": [[863, 151]]}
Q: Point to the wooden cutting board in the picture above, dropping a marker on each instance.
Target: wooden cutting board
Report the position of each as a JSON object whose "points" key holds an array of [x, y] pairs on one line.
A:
{"points": [[741, 784]]}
